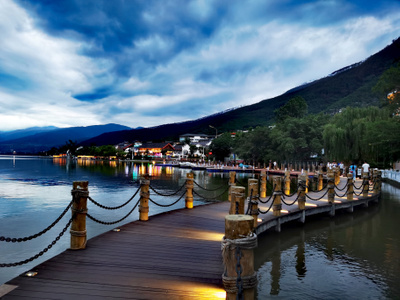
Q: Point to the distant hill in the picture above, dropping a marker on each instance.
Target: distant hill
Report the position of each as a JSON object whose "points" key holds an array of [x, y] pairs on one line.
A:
{"points": [[349, 86], [42, 141], [16, 134]]}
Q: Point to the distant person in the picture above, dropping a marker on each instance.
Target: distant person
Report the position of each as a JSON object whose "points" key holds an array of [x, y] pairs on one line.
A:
{"points": [[341, 167], [365, 167], [353, 170]]}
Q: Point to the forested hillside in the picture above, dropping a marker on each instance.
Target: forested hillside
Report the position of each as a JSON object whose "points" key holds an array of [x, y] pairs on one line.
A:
{"points": [[350, 86]]}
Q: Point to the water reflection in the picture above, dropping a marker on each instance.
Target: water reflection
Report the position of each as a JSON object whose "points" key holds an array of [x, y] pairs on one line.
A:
{"points": [[350, 256]]}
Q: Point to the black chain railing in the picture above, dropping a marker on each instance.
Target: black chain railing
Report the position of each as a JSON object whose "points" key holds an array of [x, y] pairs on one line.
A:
{"points": [[167, 205], [294, 201], [112, 222], [210, 198], [36, 256], [114, 207], [167, 195], [210, 190], [28, 238], [266, 211], [319, 198]]}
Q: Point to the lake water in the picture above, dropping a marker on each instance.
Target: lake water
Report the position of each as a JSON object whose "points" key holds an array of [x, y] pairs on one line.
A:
{"points": [[350, 256]]}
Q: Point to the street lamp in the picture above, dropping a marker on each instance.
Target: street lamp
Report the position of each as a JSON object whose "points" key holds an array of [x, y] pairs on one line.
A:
{"points": [[216, 130]]}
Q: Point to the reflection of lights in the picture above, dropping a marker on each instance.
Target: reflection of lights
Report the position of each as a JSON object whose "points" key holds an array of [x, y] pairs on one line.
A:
{"points": [[116, 230], [210, 293], [311, 204], [284, 211], [259, 220]]}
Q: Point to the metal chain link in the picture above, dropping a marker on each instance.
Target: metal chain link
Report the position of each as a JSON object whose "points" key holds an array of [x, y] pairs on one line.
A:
{"points": [[297, 198], [264, 212], [347, 183], [115, 207], [167, 195], [210, 190], [167, 205], [317, 199], [213, 198], [114, 222], [28, 238], [2, 265]]}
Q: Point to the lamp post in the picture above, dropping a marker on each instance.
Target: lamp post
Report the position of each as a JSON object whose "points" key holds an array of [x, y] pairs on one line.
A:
{"points": [[216, 130]]}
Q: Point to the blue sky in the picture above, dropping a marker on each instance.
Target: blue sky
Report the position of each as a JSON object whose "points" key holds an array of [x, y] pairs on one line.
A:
{"points": [[146, 63]]}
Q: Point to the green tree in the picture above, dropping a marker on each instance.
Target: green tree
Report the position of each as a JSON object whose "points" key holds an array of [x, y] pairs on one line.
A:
{"points": [[221, 146], [352, 134], [388, 89], [298, 138], [295, 108]]}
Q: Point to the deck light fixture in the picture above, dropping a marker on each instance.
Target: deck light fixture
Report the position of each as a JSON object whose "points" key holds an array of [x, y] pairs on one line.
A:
{"points": [[30, 273]]}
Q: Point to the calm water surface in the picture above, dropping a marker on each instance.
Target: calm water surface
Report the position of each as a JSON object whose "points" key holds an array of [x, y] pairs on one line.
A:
{"points": [[351, 256]]}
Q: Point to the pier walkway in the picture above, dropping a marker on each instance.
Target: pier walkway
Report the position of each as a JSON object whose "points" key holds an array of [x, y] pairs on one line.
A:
{"points": [[174, 255]]}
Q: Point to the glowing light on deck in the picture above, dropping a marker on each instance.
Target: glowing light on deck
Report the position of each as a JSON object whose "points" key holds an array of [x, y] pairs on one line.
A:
{"points": [[210, 293], [31, 273], [259, 220], [284, 211], [311, 204]]}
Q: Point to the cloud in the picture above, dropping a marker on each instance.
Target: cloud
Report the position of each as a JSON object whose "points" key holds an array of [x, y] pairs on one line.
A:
{"points": [[145, 63]]}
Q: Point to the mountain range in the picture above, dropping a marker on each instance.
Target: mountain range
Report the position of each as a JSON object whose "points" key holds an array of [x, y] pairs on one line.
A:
{"points": [[349, 86], [33, 140]]}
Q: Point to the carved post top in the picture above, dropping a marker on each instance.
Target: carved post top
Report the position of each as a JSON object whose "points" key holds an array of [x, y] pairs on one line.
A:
{"points": [[81, 185], [277, 182], [189, 175]]}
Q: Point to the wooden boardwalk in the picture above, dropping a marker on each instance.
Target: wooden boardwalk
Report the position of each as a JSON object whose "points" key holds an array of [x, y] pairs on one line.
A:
{"points": [[174, 255]]}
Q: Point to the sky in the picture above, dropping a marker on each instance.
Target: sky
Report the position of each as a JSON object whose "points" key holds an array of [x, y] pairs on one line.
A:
{"points": [[144, 63]]}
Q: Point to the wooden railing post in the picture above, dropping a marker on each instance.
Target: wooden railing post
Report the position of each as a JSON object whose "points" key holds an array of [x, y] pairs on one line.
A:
{"points": [[232, 182], [301, 201], [320, 180], [277, 206], [337, 175], [238, 255], [237, 200], [287, 182], [253, 191], [331, 186], [189, 190], [144, 198], [365, 184], [263, 184], [80, 193], [307, 181], [350, 187], [375, 182]]}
